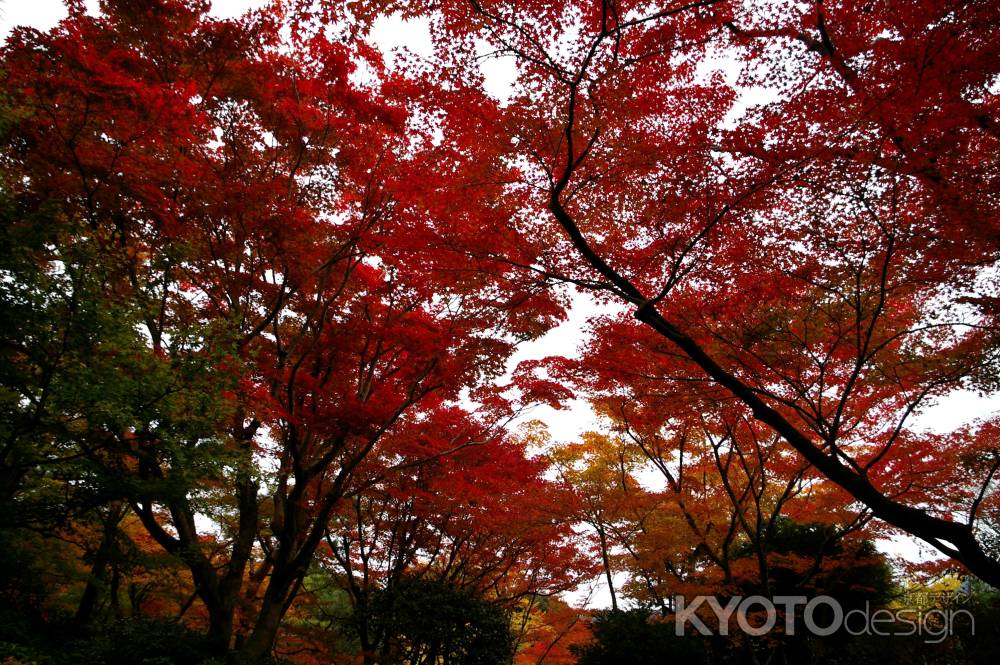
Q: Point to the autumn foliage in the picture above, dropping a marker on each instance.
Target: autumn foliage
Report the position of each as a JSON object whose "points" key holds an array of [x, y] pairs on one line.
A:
{"points": [[263, 290]]}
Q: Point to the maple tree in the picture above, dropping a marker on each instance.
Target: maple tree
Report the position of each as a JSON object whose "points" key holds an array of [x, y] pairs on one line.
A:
{"points": [[481, 521], [728, 483], [826, 260], [252, 213], [548, 631], [724, 517], [261, 290], [611, 502]]}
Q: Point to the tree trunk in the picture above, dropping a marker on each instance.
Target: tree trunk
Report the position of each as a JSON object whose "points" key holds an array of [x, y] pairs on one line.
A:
{"points": [[258, 645], [606, 559], [97, 581], [952, 538]]}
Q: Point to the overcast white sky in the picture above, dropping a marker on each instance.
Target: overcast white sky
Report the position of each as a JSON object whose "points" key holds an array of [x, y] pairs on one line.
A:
{"points": [[567, 424]]}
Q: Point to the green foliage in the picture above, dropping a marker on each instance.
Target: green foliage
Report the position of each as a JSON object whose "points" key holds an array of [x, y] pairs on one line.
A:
{"points": [[431, 622], [81, 382], [631, 636], [325, 613], [639, 636], [80, 378], [136, 641], [143, 641], [813, 558]]}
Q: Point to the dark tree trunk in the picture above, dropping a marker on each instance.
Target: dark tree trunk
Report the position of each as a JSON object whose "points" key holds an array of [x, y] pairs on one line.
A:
{"points": [[97, 581]]}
